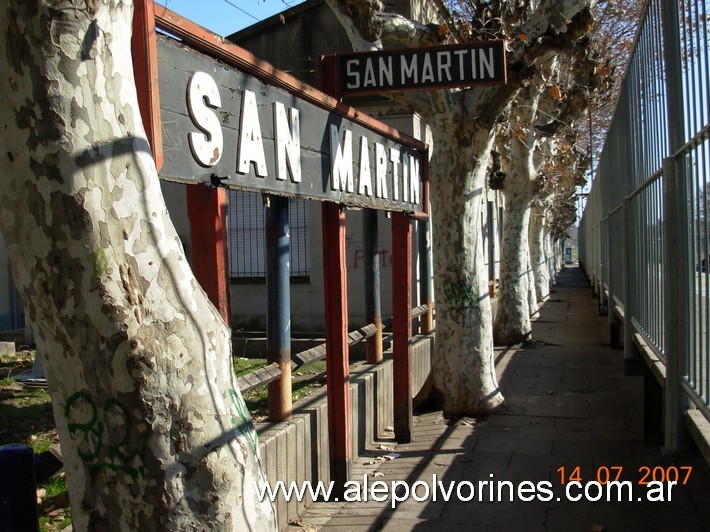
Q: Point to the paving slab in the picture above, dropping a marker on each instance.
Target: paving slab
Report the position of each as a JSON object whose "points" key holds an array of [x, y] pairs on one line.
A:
{"points": [[571, 414]]}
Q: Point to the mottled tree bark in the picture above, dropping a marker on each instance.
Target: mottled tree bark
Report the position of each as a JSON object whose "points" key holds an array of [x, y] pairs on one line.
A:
{"points": [[512, 321], [154, 431], [465, 384], [539, 252]]}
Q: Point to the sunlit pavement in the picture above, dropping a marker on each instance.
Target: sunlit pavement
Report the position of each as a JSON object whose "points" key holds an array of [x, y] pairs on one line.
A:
{"points": [[571, 415]]}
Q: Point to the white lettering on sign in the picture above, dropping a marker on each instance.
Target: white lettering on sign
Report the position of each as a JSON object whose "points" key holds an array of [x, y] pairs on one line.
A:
{"points": [[381, 170], [341, 161], [372, 166], [352, 73], [251, 146], [364, 185], [202, 98], [427, 70], [443, 59], [385, 70], [409, 72], [288, 143], [342, 170], [414, 178], [394, 158], [442, 66]]}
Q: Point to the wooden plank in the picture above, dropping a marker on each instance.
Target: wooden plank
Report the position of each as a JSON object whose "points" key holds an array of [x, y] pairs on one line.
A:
{"points": [[402, 325], [655, 364], [145, 71], [337, 353], [207, 212], [258, 377]]}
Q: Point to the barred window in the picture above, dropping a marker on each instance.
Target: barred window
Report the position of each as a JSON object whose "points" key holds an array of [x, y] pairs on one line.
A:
{"points": [[246, 237]]}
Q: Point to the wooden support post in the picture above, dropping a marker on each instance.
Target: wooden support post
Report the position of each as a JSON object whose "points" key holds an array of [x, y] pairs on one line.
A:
{"points": [[402, 325], [373, 307], [278, 307], [336, 339], [145, 70], [207, 212]]}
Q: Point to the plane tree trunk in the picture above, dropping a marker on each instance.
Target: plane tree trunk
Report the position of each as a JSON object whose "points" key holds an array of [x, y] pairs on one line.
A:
{"points": [[154, 432], [512, 321], [515, 303], [538, 252], [465, 384]]}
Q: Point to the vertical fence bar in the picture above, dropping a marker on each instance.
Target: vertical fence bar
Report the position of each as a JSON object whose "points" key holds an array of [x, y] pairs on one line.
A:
{"points": [[677, 309], [373, 307], [677, 271], [278, 308], [631, 358]]}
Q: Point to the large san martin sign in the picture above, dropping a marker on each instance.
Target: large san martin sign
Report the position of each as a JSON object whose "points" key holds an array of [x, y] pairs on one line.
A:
{"points": [[425, 68], [219, 123]]}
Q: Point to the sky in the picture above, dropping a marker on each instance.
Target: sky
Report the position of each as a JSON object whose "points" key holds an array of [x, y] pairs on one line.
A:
{"points": [[224, 17]]}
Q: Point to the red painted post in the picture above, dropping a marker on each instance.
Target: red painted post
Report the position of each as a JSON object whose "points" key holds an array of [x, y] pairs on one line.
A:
{"points": [[336, 323], [145, 70], [402, 325], [207, 212], [336, 339]]}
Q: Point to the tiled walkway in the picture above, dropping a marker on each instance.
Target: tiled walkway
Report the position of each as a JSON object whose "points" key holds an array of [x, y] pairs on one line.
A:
{"points": [[569, 406]]}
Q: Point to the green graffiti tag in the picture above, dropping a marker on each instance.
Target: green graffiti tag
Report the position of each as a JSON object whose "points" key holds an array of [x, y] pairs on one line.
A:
{"points": [[102, 436], [460, 295], [241, 421]]}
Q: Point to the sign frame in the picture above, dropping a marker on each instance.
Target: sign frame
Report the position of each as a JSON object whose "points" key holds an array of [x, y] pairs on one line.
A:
{"points": [[334, 67], [205, 42]]}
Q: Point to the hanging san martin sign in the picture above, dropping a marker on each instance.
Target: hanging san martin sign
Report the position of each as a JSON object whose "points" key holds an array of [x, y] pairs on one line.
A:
{"points": [[220, 124], [425, 68]]}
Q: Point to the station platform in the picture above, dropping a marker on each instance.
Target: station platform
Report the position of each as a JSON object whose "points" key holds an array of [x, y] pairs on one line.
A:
{"points": [[571, 416]]}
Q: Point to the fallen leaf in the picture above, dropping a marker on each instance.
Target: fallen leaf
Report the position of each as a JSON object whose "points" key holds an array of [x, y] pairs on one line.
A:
{"points": [[555, 92], [378, 474], [602, 71], [304, 525]]}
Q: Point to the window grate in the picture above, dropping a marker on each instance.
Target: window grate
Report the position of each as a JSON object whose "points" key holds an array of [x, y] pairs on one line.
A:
{"points": [[246, 237]]}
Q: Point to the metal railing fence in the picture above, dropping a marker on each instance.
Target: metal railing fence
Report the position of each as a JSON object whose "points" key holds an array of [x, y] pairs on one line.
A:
{"points": [[645, 228]]}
